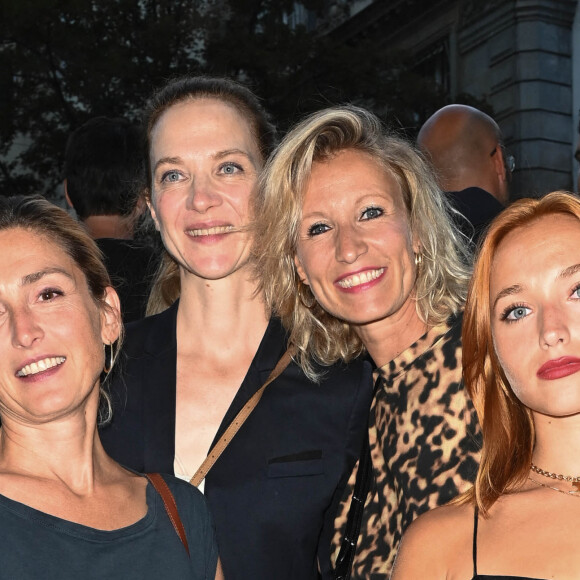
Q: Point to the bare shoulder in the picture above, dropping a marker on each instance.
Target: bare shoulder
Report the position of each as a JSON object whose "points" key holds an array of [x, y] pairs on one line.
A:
{"points": [[436, 542]]}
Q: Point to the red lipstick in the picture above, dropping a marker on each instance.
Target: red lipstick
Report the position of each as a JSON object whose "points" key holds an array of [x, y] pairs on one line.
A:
{"points": [[559, 368]]}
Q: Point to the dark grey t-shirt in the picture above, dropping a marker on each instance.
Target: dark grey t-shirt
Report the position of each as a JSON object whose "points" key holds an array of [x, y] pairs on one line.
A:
{"points": [[36, 545]]}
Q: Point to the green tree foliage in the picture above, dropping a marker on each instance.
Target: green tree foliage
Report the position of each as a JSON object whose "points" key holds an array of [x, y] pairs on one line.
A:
{"points": [[64, 61]]}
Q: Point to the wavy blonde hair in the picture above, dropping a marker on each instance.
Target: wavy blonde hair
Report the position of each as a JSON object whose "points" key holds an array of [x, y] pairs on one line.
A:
{"points": [[444, 273], [507, 424]]}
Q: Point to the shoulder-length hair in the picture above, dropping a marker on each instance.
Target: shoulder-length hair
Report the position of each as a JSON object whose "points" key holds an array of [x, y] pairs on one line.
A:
{"points": [[507, 424], [442, 276], [37, 215]]}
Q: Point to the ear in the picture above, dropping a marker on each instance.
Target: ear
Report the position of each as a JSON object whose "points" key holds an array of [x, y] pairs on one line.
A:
{"points": [[417, 247], [110, 317], [152, 212], [499, 165], [68, 201], [300, 270]]}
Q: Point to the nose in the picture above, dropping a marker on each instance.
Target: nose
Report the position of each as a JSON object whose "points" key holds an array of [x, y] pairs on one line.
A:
{"points": [[553, 327], [203, 195], [25, 328], [350, 245]]}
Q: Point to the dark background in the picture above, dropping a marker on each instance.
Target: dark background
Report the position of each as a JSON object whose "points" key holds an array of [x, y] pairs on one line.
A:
{"points": [[62, 62]]}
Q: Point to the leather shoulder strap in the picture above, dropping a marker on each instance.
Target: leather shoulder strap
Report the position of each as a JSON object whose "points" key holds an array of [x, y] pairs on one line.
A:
{"points": [[170, 506], [239, 419], [346, 554]]}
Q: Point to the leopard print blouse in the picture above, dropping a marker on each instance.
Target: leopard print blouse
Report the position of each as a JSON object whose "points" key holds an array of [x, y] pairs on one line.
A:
{"points": [[424, 440]]}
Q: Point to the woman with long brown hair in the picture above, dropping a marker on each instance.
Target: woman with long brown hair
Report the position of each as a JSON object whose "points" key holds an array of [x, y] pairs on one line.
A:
{"points": [[521, 349]]}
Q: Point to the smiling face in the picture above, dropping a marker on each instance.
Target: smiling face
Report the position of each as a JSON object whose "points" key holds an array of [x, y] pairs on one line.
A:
{"points": [[205, 165], [355, 247], [535, 313], [51, 331]]}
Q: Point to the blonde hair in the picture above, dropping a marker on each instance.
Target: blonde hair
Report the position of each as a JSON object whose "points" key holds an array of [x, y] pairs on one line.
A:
{"points": [[443, 275], [507, 424]]}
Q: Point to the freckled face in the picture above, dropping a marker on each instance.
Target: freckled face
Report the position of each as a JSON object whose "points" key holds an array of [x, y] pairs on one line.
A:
{"points": [[535, 300], [205, 165], [51, 331], [355, 246]]}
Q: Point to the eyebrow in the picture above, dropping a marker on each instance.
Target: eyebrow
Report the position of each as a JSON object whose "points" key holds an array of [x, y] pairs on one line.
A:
{"points": [[36, 276], [570, 271], [511, 290], [218, 155], [234, 151], [164, 160]]}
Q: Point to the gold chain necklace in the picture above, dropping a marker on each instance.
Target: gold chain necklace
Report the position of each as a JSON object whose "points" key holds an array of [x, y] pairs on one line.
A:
{"points": [[575, 481], [573, 492]]}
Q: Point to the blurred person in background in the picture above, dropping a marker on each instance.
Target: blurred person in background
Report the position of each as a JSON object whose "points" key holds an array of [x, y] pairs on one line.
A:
{"points": [[471, 165], [104, 165]]}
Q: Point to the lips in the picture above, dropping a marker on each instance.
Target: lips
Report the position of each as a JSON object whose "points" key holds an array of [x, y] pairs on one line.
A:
{"points": [[39, 366], [359, 278], [559, 368]]}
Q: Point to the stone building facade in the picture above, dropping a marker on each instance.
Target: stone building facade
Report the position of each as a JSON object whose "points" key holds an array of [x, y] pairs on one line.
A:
{"points": [[521, 56]]}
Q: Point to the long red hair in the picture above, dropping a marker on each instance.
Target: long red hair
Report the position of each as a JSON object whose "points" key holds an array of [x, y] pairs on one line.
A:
{"points": [[507, 424]]}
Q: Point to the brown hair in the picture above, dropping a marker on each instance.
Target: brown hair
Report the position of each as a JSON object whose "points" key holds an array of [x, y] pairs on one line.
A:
{"points": [[507, 424], [36, 214], [167, 286]]}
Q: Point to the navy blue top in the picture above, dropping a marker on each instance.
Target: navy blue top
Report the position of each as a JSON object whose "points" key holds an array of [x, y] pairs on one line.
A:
{"points": [[36, 545], [275, 490]]}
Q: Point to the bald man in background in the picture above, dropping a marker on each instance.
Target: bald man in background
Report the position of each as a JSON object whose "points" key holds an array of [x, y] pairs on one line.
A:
{"points": [[465, 147]]}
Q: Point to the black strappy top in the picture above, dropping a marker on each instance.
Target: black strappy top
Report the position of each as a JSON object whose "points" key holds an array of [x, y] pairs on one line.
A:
{"points": [[477, 576]]}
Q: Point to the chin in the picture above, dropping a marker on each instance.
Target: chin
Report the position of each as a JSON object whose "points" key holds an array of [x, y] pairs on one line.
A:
{"points": [[362, 319]]}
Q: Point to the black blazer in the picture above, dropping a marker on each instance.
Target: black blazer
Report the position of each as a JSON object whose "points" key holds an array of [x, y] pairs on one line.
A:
{"points": [[274, 492]]}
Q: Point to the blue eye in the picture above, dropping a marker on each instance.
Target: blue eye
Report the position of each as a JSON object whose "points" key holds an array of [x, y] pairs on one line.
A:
{"points": [[371, 213], [171, 177], [575, 292], [514, 313], [317, 229], [230, 168]]}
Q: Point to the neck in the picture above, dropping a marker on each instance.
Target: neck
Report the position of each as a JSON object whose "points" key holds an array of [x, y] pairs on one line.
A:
{"points": [[224, 312], [387, 338], [68, 449], [109, 226], [557, 447]]}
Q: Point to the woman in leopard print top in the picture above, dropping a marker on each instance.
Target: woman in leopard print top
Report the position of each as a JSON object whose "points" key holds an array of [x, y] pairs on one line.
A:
{"points": [[359, 254]]}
